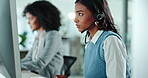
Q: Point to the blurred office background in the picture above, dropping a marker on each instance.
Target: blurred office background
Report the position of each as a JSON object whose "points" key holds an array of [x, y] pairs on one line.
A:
{"points": [[131, 20]]}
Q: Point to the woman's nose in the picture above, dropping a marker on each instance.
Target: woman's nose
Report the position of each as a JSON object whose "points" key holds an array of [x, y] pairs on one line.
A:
{"points": [[76, 20]]}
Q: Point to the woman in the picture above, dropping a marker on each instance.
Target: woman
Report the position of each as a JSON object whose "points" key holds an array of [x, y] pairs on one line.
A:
{"points": [[105, 53], [46, 55]]}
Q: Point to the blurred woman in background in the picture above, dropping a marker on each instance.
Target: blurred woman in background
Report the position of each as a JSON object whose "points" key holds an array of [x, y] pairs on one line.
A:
{"points": [[46, 55]]}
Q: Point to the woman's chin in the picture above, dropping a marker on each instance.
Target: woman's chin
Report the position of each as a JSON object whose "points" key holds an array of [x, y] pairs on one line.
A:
{"points": [[79, 30], [33, 29]]}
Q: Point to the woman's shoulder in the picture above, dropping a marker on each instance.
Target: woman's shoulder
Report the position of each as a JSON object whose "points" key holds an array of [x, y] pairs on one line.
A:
{"points": [[53, 33], [111, 34]]}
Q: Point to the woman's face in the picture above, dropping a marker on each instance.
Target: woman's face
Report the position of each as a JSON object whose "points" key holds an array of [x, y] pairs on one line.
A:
{"points": [[83, 18], [32, 21]]}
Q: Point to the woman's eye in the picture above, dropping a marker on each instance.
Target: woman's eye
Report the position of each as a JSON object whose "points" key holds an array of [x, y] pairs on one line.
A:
{"points": [[80, 14]]}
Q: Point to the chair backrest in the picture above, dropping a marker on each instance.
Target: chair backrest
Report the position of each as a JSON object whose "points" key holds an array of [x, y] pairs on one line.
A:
{"points": [[68, 62]]}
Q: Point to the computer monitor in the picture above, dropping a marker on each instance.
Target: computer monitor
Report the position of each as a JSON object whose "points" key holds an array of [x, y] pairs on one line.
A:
{"points": [[9, 50]]}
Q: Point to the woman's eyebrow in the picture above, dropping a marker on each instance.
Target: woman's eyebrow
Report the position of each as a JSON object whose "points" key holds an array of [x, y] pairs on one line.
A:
{"points": [[79, 11]]}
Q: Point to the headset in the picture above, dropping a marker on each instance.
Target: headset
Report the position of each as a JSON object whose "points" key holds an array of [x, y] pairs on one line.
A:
{"points": [[98, 16]]}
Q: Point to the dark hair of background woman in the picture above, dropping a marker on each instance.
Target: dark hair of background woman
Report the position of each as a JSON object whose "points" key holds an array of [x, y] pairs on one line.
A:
{"points": [[47, 14], [107, 23]]}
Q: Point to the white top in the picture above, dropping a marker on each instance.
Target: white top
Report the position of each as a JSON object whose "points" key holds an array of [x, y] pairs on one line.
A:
{"points": [[39, 38], [114, 55], [1, 76]]}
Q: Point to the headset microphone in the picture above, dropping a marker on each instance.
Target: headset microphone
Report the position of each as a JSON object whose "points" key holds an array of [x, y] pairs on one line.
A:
{"points": [[88, 27]]}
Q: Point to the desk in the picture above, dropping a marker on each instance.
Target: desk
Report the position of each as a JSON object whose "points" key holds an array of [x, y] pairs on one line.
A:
{"points": [[28, 74]]}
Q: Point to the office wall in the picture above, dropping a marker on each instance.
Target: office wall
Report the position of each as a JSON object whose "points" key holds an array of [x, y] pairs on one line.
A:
{"points": [[140, 39]]}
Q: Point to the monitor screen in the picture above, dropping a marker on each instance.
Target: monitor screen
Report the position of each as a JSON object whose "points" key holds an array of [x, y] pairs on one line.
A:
{"points": [[9, 50]]}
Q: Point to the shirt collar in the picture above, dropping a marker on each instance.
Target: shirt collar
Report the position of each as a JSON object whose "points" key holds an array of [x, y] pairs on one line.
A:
{"points": [[96, 36]]}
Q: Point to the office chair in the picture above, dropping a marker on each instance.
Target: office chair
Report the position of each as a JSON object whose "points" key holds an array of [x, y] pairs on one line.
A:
{"points": [[68, 62]]}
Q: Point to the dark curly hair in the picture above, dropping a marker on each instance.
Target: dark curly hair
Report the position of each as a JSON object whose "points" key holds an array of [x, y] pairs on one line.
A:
{"points": [[47, 14]]}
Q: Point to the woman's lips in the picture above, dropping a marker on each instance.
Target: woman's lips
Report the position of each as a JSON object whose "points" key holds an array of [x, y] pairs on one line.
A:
{"points": [[77, 25]]}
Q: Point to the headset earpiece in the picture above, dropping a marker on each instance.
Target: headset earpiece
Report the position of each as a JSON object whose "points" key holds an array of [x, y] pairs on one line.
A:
{"points": [[99, 14]]}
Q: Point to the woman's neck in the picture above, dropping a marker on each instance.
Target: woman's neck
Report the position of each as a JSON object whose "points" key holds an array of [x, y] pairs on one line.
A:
{"points": [[41, 29], [93, 31]]}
